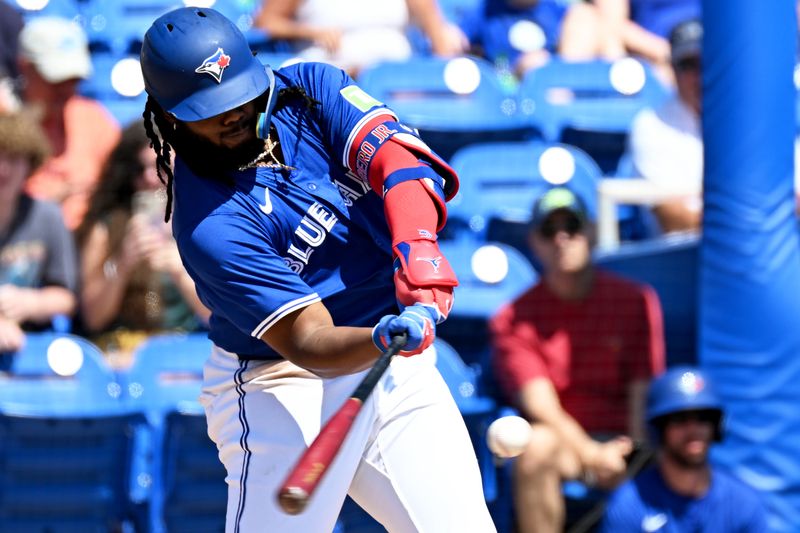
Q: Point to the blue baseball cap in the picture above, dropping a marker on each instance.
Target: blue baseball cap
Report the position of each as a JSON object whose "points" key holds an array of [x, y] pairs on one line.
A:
{"points": [[686, 40]]}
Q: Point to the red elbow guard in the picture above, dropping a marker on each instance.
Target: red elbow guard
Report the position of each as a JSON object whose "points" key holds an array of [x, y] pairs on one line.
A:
{"points": [[387, 155]]}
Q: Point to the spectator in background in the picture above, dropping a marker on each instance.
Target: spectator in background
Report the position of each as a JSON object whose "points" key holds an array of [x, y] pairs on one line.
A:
{"points": [[666, 143], [133, 281], [574, 354], [53, 58], [357, 33], [38, 274], [683, 492], [11, 23], [522, 34], [642, 27]]}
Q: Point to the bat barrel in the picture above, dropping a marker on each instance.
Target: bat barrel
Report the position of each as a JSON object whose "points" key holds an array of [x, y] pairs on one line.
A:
{"points": [[303, 479]]}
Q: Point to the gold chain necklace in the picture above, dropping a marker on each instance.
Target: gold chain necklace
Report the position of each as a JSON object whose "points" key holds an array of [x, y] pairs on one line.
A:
{"points": [[269, 147]]}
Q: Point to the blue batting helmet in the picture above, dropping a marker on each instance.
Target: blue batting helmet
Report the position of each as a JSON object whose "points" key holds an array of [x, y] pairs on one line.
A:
{"points": [[197, 64], [681, 388]]}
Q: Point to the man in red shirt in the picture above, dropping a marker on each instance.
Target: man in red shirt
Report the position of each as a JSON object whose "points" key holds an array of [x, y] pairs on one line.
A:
{"points": [[574, 354]]}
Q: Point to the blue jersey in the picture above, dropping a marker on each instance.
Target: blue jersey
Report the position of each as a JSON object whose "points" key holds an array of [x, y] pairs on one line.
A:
{"points": [[278, 240], [491, 26], [647, 504], [661, 16]]}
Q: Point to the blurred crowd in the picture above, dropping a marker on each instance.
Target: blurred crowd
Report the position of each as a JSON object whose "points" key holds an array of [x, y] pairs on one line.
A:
{"points": [[105, 265], [83, 243], [84, 246]]}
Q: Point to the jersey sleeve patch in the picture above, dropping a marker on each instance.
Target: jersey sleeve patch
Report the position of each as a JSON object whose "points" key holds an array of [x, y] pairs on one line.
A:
{"points": [[358, 98]]}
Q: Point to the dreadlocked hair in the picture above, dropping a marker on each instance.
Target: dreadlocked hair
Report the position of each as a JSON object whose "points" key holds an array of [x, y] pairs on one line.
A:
{"points": [[153, 114], [293, 93]]}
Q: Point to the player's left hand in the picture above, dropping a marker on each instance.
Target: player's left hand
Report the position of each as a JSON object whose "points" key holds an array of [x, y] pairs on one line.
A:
{"points": [[422, 275], [416, 321]]}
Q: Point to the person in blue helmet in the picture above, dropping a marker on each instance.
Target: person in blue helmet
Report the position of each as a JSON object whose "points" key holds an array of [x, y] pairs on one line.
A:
{"points": [[307, 216], [682, 491]]}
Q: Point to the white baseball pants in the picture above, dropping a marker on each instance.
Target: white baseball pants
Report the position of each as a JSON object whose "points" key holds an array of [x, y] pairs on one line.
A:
{"points": [[408, 460]]}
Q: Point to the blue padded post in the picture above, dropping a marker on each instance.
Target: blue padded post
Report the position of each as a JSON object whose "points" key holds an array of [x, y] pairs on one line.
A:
{"points": [[749, 340]]}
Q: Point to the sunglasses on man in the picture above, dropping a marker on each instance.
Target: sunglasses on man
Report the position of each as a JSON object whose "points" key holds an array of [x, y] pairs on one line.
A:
{"points": [[571, 225], [690, 64]]}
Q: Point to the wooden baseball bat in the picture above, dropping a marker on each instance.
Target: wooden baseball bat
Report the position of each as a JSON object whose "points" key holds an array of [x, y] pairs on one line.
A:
{"points": [[304, 478]]}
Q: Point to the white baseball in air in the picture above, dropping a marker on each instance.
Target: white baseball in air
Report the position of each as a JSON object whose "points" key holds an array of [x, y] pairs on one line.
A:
{"points": [[508, 436]]}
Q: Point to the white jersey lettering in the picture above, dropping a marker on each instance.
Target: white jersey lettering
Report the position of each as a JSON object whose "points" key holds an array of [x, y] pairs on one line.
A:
{"points": [[312, 230], [349, 195], [294, 266], [315, 237], [325, 218], [302, 255]]}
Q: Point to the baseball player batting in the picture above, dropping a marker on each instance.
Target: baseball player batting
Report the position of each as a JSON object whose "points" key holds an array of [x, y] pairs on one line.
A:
{"points": [[307, 215]]}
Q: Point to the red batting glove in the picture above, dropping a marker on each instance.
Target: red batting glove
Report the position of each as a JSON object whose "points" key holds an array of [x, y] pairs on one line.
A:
{"points": [[423, 275]]}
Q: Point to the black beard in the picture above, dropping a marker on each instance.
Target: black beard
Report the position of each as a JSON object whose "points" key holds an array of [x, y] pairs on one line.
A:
{"points": [[208, 160], [686, 463]]}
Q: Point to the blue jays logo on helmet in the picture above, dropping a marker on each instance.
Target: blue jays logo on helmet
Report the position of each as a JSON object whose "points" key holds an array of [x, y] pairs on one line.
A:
{"points": [[691, 383], [215, 64], [681, 388]]}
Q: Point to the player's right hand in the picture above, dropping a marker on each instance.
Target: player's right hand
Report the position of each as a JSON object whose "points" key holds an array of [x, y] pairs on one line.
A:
{"points": [[416, 321]]}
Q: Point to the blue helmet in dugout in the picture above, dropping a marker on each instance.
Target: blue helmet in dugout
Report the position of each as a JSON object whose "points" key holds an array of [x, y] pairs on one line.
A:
{"points": [[197, 64], [681, 389]]}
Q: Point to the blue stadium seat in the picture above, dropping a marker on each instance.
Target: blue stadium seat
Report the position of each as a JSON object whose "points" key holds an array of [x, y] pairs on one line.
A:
{"points": [[67, 441], [192, 477], [500, 182], [589, 104], [119, 25], [461, 379], [452, 102], [167, 372], [456, 10], [164, 382], [490, 275], [117, 83], [53, 8], [58, 373], [66, 474], [241, 12], [478, 410]]}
